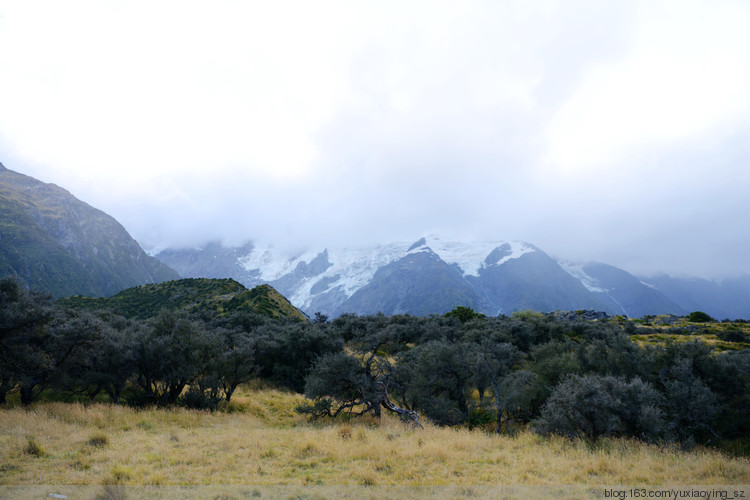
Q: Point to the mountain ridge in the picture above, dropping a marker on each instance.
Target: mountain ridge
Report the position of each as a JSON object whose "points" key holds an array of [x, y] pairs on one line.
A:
{"points": [[494, 277]]}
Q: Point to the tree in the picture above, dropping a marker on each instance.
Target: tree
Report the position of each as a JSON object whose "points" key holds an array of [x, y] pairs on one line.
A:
{"points": [[520, 395], [41, 355], [595, 405], [691, 406], [24, 315], [237, 362], [491, 361], [109, 361], [354, 384], [288, 351], [172, 353], [464, 314], [320, 317], [433, 377], [554, 360], [700, 317]]}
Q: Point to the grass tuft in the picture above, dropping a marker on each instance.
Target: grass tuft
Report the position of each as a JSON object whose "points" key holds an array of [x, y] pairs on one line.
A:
{"points": [[98, 440], [33, 448], [113, 492]]}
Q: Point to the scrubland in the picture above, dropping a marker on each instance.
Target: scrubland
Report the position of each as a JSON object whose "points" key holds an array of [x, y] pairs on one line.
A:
{"points": [[260, 440]]}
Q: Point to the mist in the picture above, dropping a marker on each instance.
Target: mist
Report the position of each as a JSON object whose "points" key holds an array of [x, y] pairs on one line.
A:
{"points": [[614, 132]]}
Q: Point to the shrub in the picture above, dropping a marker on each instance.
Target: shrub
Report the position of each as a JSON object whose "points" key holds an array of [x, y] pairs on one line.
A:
{"points": [[33, 448], [464, 314], [480, 418], [691, 406], [98, 440], [202, 396], [733, 336], [595, 405], [699, 317]]}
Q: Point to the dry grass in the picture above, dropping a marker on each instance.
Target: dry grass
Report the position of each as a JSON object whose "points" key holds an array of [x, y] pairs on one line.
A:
{"points": [[263, 442]]}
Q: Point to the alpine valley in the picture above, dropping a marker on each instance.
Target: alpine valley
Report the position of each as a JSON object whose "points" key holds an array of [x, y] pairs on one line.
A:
{"points": [[432, 276]]}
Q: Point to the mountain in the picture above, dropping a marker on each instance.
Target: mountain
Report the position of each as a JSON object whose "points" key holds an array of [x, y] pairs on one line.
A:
{"points": [[726, 299], [223, 296], [57, 243], [429, 276], [623, 293]]}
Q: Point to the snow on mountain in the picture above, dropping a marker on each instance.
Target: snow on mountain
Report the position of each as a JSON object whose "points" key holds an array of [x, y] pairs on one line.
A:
{"points": [[350, 269], [471, 257], [270, 264], [576, 270], [432, 274]]}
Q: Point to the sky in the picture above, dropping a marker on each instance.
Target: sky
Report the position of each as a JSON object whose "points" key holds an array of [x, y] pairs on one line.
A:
{"points": [[613, 131]]}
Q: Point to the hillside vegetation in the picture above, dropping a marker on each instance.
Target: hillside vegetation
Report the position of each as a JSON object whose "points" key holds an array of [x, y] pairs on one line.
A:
{"points": [[191, 295]]}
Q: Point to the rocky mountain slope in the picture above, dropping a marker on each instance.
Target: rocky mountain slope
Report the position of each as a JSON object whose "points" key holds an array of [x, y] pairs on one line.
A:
{"points": [[431, 276], [57, 243]]}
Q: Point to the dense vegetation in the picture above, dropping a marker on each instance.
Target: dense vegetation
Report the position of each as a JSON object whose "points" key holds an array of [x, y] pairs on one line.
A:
{"points": [[191, 295], [554, 374]]}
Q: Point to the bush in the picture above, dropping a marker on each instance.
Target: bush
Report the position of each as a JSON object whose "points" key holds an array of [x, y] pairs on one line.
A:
{"points": [[33, 448], [733, 336], [595, 405], [691, 406], [480, 418], [98, 440], [699, 317], [203, 395]]}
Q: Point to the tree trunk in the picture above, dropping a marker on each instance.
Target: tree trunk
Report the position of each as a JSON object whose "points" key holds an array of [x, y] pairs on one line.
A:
{"points": [[5, 387], [376, 410], [498, 406], [27, 395]]}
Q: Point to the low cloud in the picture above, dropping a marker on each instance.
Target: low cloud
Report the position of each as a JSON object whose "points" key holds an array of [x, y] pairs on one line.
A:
{"points": [[598, 131]]}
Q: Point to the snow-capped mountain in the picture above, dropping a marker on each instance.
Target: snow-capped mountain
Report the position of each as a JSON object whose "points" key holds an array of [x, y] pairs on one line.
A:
{"points": [[429, 276]]}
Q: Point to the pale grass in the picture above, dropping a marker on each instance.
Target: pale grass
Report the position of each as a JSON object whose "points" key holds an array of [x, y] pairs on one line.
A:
{"points": [[262, 441]]}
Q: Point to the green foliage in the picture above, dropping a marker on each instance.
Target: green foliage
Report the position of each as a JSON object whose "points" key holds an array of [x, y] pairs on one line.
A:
{"points": [[435, 378], [595, 405], [464, 314], [286, 354], [694, 421], [192, 295], [699, 317]]}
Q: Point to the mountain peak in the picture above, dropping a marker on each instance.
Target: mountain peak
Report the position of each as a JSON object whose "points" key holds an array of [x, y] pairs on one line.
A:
{"points": [[419, 243]]}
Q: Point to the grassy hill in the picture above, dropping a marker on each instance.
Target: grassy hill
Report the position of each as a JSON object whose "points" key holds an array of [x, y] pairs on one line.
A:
{"points": [[221, 296]]}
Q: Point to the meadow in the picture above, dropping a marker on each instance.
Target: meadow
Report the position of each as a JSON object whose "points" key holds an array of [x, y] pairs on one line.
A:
{"points": [[259, 443]]}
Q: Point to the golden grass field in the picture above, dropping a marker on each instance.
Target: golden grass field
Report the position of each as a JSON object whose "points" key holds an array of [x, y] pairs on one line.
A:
{"points": [[260, 440]]}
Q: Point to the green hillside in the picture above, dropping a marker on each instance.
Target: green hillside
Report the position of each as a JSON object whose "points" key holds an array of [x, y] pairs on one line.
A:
{"points": [[57, 243], [222, 296]]}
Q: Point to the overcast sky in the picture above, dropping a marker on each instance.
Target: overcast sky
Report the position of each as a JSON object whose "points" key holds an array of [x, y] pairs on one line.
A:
{"points": [[608, 131]]}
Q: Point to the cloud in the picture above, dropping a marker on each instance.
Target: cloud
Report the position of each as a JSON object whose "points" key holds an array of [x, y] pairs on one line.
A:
{"points": [[610, 131]]}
